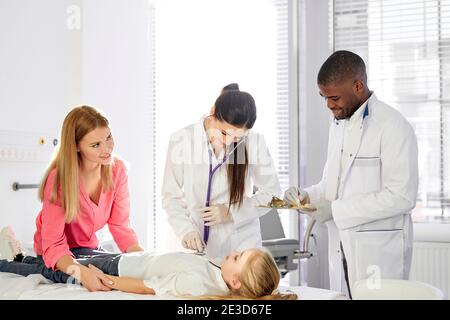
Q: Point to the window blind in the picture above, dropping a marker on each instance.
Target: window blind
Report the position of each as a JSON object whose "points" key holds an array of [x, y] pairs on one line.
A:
{"points": [[282, 92], [222, 42], [406, 46]]}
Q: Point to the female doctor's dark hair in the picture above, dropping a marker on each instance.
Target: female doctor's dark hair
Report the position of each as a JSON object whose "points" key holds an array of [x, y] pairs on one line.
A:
{"points": [[238, 109], [235, 107]]}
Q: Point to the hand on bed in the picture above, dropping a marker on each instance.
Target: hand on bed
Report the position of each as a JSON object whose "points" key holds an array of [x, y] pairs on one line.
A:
{"points": [[94, 279], [215, 214]]}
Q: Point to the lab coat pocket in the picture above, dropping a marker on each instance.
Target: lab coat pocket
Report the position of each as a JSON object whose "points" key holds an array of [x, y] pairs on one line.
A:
{"points": [[365, 175], [378, 254]]}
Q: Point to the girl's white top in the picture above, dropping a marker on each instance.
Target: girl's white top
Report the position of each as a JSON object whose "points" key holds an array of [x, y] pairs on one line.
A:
{"points": [[174, 273]]}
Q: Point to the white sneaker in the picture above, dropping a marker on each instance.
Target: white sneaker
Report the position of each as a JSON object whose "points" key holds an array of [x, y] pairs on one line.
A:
{"points": [[9, 245]]}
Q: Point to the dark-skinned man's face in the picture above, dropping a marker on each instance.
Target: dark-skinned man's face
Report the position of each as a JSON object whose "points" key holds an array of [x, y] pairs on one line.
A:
{"points": [[342, 99]]}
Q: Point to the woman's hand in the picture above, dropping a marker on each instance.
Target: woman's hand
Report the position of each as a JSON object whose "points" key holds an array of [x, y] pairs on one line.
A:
{"points": [[111, 280], [91, 279], [125, 284], [215, 214], [94, 279], [193, 240]]}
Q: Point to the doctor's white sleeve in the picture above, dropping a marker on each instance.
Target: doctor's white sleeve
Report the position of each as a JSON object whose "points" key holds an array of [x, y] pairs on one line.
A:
{"points": [[399, 181], [172, 194], [265, 178]]}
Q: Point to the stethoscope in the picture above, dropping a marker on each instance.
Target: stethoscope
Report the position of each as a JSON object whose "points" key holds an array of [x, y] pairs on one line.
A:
{"points": [[210, 176]]}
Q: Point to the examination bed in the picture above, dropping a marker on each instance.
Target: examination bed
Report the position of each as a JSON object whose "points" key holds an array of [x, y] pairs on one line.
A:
{"points": [[36, 287]]}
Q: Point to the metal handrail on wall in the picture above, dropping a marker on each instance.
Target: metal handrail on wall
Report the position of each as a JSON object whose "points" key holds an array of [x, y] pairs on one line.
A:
{"points": [[16, 186]]}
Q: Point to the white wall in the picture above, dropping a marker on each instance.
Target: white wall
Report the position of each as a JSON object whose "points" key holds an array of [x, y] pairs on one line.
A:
{"points": [[117, 78], [314, 123], [48, 67], [38, 81]]}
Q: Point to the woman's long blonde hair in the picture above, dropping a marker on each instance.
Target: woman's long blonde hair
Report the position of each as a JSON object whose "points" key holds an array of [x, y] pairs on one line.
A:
{"points": [[78, 122], [259, 279]]}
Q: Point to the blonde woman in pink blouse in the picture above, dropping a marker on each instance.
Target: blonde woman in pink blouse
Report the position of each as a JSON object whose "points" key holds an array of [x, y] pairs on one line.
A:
{"points": [[84, 188]]}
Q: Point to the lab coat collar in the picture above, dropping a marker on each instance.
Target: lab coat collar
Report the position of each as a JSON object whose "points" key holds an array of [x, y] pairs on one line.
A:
{"points": [[358, 117], [369, 103], [201, 128]]}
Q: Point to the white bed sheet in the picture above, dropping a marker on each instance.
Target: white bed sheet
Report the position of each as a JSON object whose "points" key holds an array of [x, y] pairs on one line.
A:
{"points": [[36, 287]]}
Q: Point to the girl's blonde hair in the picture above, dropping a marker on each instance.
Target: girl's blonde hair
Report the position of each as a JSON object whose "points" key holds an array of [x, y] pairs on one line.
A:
{"points": [[78, 122], [259, 279]]}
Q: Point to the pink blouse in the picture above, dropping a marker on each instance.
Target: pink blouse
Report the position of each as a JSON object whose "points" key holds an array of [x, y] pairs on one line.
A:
{"points": [[53, 237]]}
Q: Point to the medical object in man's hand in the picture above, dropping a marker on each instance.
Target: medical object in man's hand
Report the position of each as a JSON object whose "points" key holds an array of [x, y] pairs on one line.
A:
{"points": [[307, 207], [278, 203]]}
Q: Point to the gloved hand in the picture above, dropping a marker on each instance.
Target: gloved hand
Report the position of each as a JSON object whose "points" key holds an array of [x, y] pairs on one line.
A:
{"points": [[215, 214], [323, 212], [296, 196], [192, 240]]}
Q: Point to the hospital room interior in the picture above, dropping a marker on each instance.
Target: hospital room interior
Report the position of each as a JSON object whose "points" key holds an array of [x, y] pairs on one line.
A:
{"points": [[351, 112]]}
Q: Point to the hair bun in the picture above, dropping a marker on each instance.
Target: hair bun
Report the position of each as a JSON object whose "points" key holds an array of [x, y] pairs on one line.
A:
{"points": [[231, 86]]}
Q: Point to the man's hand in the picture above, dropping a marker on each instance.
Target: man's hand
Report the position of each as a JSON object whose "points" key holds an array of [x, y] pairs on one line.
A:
{"points": [[192, 240], [296, 196], [323, 212], [215, 214]]}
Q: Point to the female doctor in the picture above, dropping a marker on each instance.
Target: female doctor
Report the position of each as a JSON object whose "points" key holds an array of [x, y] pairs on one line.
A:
{"points": [[211, 170]]}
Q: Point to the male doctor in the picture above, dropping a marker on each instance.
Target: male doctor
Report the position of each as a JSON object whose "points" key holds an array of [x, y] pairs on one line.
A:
{"points": [[370, 180]]}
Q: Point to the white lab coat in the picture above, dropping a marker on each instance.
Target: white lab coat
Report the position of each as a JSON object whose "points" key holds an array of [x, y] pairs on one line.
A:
{"points": [[372, 195], [185, 186]]}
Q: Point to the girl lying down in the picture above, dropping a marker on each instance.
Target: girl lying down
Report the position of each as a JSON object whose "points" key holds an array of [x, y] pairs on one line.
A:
{"points": [[250, 274]]}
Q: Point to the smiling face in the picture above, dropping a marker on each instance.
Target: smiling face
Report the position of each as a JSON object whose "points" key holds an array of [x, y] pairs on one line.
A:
{"points": [[343, 99], [222, 133], [232, 266], [228, 133], [96, 147]]}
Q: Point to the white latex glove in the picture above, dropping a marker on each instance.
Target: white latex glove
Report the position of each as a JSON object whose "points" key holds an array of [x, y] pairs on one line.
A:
{"points": [[296, 196], [323, 212], [215, 214], [192, 240]]}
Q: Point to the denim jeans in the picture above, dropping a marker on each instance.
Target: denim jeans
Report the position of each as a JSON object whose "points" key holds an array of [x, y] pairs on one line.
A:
{"points": [[88, 252], [105, 261]]}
